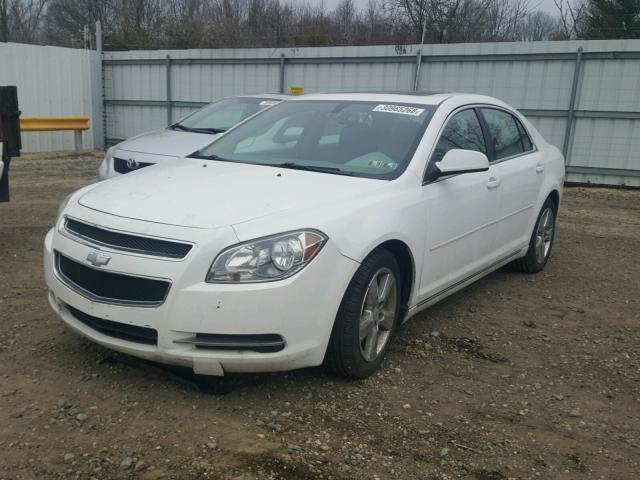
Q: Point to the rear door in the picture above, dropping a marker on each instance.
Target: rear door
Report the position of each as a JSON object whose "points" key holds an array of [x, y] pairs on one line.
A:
{"points": [[516, 162]]}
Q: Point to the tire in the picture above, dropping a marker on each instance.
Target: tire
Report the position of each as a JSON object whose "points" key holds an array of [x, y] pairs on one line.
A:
{"points": [[541, 241], [349, 354]]}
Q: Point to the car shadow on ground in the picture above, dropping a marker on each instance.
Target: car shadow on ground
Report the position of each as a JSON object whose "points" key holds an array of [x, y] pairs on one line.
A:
{"points": [[233, 382]]}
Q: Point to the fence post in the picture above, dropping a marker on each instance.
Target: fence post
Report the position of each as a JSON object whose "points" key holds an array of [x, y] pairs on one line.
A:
{"points": [[282, 61], [568, 132], [416, 79], [77, 137], [168, 64]]}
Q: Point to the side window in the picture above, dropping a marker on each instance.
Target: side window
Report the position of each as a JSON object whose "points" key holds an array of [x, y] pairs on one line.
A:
{"points": [[505, 133], [526, 141], [462, 131]]}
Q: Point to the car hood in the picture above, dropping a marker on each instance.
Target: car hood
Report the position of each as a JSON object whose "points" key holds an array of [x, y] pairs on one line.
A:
{"points": [[210, 194], [172, 143]]}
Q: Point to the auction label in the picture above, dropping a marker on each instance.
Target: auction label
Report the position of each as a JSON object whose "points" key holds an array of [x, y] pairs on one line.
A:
{"points": [[401, 109]]}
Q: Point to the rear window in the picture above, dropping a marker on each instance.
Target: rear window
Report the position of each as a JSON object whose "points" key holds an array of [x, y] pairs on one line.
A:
{"points": [[505, 133]]}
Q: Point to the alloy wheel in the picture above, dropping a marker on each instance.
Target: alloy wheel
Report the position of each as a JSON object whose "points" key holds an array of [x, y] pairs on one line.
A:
{"points": [[378, 314], [544, 235]]}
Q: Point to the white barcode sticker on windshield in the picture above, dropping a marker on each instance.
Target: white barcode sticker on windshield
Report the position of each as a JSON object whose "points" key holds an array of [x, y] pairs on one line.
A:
{"points": [[401, 109], [268, 103]]}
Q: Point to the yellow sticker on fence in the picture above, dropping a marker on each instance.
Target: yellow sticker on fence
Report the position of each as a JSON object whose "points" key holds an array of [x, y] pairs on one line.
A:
{"points": [[296, 90]]}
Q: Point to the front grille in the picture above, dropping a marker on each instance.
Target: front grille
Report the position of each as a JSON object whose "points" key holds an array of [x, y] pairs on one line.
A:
{"points": [[127, 242], [263, 343], [123, 331], [109, 287], [120, 165]]}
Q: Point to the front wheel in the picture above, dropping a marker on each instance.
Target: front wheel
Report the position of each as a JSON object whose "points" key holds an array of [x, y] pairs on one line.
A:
{"points": [[541, 240], [367, 318]]}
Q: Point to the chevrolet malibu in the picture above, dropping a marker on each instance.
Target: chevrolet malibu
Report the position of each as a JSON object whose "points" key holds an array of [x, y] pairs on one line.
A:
{"points": [[184, 137], [306, 235]]}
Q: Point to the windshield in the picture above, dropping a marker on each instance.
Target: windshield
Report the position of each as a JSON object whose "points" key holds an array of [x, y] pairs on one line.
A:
{"points": [[221, 116], [366, 139]]}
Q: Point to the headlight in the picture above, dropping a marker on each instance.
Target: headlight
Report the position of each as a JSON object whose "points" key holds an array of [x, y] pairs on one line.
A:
{"points": [[103, 171], [266, 259]]}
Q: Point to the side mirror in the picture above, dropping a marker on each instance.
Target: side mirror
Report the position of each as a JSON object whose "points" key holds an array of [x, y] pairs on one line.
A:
{"points": [[457, 161]]}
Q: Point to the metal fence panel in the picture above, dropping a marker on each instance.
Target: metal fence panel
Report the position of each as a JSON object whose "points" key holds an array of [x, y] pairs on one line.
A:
{"points": [[52, 81], [345, 77], [202, 83], [144, 90], [587, 102]]}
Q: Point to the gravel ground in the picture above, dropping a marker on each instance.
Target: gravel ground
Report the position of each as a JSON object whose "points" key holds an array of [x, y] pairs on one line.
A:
{"points": [[515, 377]]}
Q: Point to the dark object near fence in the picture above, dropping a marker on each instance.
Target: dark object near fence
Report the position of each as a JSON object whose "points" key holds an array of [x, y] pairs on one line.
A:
{"points": [[9, 135]]}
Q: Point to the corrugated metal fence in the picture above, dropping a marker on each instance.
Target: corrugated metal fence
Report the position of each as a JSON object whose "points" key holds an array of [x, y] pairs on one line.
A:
{"points": [[54, 81], [584, 96]]}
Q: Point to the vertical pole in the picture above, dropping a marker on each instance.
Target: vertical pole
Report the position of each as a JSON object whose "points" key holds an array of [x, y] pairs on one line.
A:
{"points": [[99, 118], [99, 37], [568, 131], [168, 90], [77, 136], [416, 80], [282, 60]]}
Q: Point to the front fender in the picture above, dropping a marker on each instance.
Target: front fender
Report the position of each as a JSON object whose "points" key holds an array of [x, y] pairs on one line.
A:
{"points": [[357, 226]]}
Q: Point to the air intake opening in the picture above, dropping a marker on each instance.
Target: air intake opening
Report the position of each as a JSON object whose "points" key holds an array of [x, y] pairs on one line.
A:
{"points": [[123, 331], [109, 287], [126, 241]]}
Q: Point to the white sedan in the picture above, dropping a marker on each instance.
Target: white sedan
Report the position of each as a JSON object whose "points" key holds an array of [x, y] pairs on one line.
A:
{"points": [[190, 134], [307, 234]]}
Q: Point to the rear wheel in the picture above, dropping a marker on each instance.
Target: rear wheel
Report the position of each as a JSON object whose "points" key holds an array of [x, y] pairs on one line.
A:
{"points": [[367, 317], [541, 240]]}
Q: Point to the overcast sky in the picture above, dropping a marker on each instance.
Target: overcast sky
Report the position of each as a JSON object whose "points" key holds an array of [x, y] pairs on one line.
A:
{"points": [[546, 5]]}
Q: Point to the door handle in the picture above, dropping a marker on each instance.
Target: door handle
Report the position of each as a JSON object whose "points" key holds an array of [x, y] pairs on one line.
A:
{"points": [[539, 168], [493, 183]]}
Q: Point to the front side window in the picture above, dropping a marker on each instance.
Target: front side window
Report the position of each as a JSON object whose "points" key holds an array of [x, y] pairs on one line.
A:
{"points": [[366, 139], [221, 116], [462, 131], [505, 133]]}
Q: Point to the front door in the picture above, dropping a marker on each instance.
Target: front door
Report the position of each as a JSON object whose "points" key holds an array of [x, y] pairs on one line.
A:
{"points": [[461, 212]]}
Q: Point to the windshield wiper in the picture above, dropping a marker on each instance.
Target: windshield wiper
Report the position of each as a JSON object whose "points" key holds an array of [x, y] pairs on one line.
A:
{"points": [[313, 168], [209, 157], [212, 131]]}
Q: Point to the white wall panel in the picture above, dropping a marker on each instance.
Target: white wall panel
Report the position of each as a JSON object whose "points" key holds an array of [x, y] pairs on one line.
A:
{"points": [[52, 81]]}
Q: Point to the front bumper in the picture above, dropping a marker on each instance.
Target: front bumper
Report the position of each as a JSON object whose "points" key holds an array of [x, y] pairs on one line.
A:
{"points": [[300, 309]]}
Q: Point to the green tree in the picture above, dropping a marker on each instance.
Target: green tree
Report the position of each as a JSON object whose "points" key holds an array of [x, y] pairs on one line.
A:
{"points": [[612, 19]]}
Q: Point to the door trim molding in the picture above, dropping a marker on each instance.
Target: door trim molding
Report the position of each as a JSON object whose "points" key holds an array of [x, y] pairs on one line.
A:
{"points": [[492, 222], [468, 279]]}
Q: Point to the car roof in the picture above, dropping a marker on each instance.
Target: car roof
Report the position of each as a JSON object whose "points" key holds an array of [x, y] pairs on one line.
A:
{"points": [[272, 96], [423, 98]]}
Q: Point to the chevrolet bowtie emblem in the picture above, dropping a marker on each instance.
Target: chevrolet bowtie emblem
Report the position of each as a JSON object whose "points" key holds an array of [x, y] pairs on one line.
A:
{"points": [[98, 259]]}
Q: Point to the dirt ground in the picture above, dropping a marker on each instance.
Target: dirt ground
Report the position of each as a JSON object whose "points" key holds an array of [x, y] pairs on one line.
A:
{"points": [[515, 377]]}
